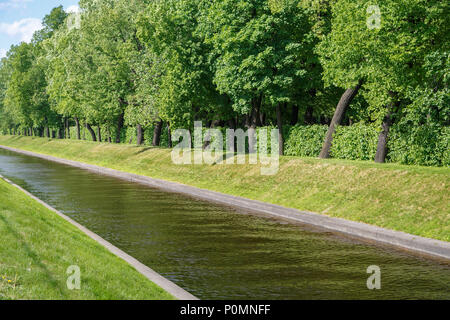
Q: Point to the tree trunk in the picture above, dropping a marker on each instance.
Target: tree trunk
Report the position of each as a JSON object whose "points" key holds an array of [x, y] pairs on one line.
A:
{"points": [[380, 156], [140, 135], [61, 132], [257, 116], [99, 133], [294, 115], [119, 127], [77, 123], [280, 130], [252, 123], [207, 142], [68, 128], [262, 117], [341, 108], [383, 138], [169, 140], [232, 124], [47, 131], [157, 134], [64, 127], [89, 128], [309, 115]]}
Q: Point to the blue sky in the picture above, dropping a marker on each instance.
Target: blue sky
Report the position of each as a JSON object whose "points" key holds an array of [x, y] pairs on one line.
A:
{"points": [[20, 18]]}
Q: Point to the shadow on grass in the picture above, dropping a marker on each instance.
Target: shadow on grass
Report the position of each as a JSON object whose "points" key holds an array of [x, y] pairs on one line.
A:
{"points": [[144, 149], [33, 255]]}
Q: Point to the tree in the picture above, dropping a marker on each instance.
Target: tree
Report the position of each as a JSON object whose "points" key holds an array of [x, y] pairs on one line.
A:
{"points": [[26, 99], [51, 23], [186, 92], [261, 54], [382, 46], [6, 121]]}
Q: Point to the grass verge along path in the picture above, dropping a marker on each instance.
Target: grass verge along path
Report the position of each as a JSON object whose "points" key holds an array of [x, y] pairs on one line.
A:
{"points": [[411, 199], [37, 247]]}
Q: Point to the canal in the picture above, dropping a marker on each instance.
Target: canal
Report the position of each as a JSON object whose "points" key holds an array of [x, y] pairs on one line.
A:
{"points": [[216, 252]]}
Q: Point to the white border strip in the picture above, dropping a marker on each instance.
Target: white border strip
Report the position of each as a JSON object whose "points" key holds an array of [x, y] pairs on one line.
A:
{"points": [[150, 274], [416, 244]]}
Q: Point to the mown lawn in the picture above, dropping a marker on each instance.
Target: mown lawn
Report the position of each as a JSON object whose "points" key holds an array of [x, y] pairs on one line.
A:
{"points": [[37, 247], [405, 198]]}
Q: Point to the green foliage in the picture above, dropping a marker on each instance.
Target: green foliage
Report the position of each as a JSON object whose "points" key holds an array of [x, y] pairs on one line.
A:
{"points": [[185, 86], [444, 145], [391, 58], [305, 141], [357, 142], [426, 145], [51, 23], [261, 50]]}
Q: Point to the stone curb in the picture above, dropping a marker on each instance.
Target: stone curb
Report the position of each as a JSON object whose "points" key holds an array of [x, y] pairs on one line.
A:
{"points": [[417, 244], [150, 274]]}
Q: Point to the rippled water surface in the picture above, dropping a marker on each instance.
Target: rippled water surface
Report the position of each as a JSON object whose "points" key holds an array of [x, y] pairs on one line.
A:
{"points": [[215, 252]]}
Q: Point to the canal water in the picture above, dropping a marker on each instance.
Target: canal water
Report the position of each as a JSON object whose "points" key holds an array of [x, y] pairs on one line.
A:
{"points": [[216, 252]]}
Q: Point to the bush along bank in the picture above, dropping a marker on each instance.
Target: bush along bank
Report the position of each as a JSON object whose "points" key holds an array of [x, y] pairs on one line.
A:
{"points": [[427, 145]]}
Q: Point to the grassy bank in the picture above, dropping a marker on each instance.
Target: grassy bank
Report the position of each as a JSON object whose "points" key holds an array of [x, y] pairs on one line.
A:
{"points": [[37, 247], [405, 198]]}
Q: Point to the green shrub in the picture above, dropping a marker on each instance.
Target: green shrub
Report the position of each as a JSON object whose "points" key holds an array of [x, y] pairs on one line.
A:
{"points": [[444, 146], [268, 148], [357, 142], [224, 135], [426, 145], [304, 141]]}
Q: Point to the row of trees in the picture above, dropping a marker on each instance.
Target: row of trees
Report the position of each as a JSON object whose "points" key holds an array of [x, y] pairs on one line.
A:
{"points": [[230, 63]]}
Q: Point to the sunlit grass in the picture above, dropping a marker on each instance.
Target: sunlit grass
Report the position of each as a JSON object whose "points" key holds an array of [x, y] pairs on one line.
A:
{"points": [[412, 199], [37, 246]]}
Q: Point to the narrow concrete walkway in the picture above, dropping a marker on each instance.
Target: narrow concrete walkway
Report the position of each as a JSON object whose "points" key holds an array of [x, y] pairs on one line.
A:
{"points": [[415, 244]]}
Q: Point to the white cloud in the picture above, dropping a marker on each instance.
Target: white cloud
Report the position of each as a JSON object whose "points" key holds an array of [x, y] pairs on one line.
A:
{"points": [[14, 4], [73, 9], [23, 29], [3, 53]]}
